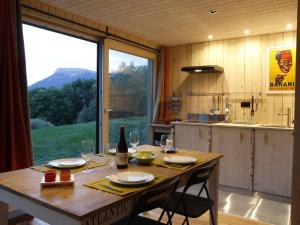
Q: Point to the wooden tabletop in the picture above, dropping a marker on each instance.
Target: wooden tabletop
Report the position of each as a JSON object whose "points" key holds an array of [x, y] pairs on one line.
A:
{"points": [[81, 201]]}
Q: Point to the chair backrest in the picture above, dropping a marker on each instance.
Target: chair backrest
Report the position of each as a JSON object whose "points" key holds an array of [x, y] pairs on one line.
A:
{"points": [[157, 197], [200, 175]]}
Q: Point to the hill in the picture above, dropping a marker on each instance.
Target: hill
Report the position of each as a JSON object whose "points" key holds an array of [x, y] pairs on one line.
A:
{"points": [[64, 76]]}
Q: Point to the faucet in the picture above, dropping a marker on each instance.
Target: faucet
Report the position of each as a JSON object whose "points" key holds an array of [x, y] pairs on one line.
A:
{"points": [[289, 115]]}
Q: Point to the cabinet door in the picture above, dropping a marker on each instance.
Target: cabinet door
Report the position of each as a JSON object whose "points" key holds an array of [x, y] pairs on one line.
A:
{"points": [[192, 137], [273, 161], [236, 147]]}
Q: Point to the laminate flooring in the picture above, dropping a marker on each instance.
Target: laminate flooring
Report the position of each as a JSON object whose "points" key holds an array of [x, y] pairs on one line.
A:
{"points": [[257, 206]]}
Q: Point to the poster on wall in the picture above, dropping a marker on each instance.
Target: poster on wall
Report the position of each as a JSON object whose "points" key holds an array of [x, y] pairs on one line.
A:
{"points": [[281, 73]]}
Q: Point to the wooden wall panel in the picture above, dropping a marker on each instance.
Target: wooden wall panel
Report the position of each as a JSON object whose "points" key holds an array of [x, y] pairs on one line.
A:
{"points": [[245, 66]]}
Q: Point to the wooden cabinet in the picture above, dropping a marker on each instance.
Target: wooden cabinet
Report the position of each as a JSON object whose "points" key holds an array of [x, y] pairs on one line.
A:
{"points": [[273, 161], [252, 158], [193, 137], [236, 146]]}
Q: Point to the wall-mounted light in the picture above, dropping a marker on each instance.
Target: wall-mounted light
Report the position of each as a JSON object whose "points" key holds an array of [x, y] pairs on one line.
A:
{"points": [[289, 26], [210, 37], [246, 32]]}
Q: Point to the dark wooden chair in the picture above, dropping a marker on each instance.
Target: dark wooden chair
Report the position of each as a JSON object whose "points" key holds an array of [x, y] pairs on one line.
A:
{"points": [[151, 199], [189, 205]]}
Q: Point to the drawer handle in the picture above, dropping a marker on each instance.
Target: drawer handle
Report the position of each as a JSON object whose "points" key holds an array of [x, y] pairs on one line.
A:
{"points": [[200, 133], [241, 137], [266, 139]]}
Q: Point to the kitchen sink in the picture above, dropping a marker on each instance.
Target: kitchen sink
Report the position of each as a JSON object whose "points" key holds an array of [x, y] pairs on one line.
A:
{"points": [[244, 122]]}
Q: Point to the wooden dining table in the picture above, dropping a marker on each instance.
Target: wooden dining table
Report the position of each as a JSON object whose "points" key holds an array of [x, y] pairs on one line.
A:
{"points": [[82, 205]]}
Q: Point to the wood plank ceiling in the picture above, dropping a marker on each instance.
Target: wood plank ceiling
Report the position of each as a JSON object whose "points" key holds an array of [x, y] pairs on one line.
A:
{"points": [[175, 22]]}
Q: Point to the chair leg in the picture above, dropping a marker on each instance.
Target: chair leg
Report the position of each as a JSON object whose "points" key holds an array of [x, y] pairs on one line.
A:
{"points": [[169, 218], [211, 216], [186, 219], [161, 215]]}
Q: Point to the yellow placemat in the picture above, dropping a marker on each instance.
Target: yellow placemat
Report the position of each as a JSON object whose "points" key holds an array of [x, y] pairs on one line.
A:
{"points": [[105, 185], [92, 164], [177, 166]]}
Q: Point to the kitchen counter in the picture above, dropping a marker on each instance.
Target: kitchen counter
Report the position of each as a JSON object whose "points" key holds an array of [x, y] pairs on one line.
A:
{"points": [[252, 126], [167, 126]]}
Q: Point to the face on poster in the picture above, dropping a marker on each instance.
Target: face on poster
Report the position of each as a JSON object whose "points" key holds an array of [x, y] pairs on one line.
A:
{"points": [[282, 70]]}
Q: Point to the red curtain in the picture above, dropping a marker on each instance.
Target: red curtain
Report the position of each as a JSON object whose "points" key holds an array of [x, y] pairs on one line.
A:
{"points": [[15, 136]]}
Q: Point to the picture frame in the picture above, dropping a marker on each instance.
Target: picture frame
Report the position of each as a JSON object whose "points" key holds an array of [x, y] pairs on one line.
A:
{"points": [[281, 70]]}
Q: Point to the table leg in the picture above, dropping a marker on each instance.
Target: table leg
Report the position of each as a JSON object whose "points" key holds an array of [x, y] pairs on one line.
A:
{"points": [[3, 213], [214, 190]]}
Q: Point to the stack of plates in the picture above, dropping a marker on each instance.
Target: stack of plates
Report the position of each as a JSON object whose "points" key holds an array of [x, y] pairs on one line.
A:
{"points": [[181, 160], [67, 163], [131, 178]]}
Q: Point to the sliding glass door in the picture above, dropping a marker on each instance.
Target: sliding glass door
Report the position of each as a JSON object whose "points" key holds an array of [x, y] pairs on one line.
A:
{"points": [[129, 95], [62, 86]]}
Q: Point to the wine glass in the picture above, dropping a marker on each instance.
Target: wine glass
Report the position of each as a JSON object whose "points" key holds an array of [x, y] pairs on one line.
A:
{"points": [[134, 138], [163, 143], [87, 151], [110, 159], [169, 143]]}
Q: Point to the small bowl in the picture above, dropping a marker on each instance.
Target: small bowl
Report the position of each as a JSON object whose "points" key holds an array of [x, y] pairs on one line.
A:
{"points": [[145, 157], [130, 156]]}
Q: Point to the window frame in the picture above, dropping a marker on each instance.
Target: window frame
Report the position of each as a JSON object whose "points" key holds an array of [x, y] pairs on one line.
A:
{"points": [[99, 71], [122, 47]]}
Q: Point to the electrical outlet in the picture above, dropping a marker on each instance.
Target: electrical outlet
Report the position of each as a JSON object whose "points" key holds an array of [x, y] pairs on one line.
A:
{"points": [[245, 104]]}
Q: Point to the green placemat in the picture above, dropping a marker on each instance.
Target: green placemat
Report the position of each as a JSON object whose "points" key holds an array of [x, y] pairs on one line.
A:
{"points": [[92, 164], [177, 166], [105, 185]]}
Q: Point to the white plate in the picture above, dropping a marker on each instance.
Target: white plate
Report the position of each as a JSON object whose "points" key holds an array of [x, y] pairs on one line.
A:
{"points": [[67, 163], [180, 159], [113, 151], [133, 177], [137, 179]]}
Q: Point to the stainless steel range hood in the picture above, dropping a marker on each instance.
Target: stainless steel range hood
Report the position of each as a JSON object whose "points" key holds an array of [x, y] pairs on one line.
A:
{"points": [[203, 69]]}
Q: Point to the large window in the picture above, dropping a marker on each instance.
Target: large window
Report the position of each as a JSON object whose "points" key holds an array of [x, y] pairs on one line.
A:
{"points": [[62, 85], [129, 95]]}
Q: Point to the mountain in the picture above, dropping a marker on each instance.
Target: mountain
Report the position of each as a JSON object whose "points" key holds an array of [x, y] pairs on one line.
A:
{"points": [[64, 76]]}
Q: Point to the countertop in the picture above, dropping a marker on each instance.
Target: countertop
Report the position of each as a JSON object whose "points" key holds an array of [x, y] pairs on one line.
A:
{"points": [[251, 126], [162, 125]]}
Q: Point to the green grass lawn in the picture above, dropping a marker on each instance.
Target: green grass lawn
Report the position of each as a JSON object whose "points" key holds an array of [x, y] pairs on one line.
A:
{"points": [[65, 141]]}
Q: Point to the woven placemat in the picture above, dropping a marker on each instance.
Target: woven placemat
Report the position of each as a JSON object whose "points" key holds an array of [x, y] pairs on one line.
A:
{"points": [[107, 186], [161, 163], [92, 164]]}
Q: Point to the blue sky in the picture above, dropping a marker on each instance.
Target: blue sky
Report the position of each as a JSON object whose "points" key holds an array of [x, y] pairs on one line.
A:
{"points": [[46, 51]]}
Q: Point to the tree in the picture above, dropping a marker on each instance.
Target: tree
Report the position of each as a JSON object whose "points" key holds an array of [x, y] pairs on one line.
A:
{"points": [[62, 106], [130, 84], [76, 102], [87, 114]]}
